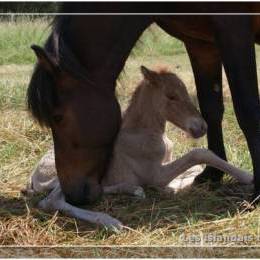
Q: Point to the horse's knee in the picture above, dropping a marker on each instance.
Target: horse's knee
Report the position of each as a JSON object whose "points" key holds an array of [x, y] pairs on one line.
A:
{"points": [[213, 113]]}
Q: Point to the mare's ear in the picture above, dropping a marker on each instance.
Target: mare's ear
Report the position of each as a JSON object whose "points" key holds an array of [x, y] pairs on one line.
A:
{"points": [[149, 75], [45, 60]]}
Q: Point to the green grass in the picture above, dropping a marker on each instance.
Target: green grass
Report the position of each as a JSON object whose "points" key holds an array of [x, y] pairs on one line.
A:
{"points": [[16, 39], [13, 86], [155, 42], [160, 219]]}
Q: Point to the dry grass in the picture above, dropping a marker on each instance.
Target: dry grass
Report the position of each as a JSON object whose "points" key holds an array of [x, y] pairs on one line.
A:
{"points": [[160, 220]]}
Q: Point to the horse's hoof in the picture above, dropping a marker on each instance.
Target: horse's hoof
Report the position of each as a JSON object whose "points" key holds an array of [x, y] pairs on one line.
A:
{"points": [[211, 175]]}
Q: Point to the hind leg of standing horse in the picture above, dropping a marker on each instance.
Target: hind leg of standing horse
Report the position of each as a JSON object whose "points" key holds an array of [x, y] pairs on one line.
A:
{"points": [[207, 69], [238, 54]]}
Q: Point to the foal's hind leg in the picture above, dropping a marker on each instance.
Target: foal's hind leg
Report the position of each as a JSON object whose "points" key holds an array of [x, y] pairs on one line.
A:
{"points": [[44, 177], [206, 65]]}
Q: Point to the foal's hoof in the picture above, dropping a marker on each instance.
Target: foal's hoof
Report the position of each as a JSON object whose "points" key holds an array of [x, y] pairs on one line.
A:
{"points": [[28, 193], [109, 223], [45, 205], [139, 192], [210, 175]]}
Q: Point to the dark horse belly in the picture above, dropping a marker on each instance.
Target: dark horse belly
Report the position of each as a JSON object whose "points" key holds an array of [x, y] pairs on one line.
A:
{"points": [[195, 27], [187, 27]]}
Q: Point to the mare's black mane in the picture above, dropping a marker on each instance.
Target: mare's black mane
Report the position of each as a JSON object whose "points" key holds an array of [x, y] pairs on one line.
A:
{"points": [[42, 96]]}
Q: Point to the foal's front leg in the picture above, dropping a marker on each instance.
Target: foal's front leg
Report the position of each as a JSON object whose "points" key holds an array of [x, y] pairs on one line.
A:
{"points": [[125, 188], [56, 201], [170, 171]]}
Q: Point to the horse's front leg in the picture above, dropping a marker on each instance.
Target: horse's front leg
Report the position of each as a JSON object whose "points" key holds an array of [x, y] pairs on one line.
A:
{"points": [[207, 69], [235, 38]]}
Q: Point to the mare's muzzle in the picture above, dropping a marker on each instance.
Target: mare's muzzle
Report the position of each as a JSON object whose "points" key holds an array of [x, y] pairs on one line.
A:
{"points": [[83, 194]]}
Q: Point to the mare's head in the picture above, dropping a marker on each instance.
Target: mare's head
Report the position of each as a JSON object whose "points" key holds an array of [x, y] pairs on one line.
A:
{"points": [[84, 118], [171, 99]]}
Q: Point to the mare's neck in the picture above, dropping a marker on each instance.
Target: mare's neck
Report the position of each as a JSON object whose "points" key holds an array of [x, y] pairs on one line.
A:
{"points": [[141, 113]]}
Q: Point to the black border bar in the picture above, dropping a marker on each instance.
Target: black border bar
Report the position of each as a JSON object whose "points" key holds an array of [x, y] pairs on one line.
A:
{"points": [[158, 7]]}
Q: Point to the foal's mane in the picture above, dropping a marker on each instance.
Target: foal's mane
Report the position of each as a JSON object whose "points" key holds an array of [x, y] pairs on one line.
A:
{"points": [[160, 69], [42, 96]]}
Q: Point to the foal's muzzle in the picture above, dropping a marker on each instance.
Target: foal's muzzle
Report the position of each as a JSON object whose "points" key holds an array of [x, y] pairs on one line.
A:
{"points": [[197, 128]]}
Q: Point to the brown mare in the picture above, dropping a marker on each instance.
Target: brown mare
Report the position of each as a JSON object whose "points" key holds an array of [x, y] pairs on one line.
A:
{"points": [[72, 89]]}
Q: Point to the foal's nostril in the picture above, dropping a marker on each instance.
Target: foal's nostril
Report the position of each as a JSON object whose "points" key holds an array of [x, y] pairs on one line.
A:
{"points": [[197, 128]]}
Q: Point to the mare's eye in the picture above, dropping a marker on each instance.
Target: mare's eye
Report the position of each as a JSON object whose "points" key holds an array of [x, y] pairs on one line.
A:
{"points": [[57, 118], [171, 97]]}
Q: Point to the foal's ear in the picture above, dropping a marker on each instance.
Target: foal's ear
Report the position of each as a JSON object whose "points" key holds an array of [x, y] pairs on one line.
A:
{"points": [[45, 60], [149, 75]]}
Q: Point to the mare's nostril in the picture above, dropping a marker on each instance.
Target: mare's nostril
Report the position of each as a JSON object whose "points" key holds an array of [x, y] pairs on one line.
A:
{"points": [[83, 194], [94, 193], [75, 198], [78, 196]]}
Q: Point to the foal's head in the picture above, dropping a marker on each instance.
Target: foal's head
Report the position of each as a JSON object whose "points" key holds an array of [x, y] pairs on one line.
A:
{"points": [[171, 99]]}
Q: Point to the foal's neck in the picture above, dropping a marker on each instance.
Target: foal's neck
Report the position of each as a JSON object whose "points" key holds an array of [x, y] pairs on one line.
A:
{"points": [[141, 113]]}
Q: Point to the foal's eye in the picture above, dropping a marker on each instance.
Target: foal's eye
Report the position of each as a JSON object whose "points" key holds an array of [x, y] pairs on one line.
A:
{"points": [[57, 118]]}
